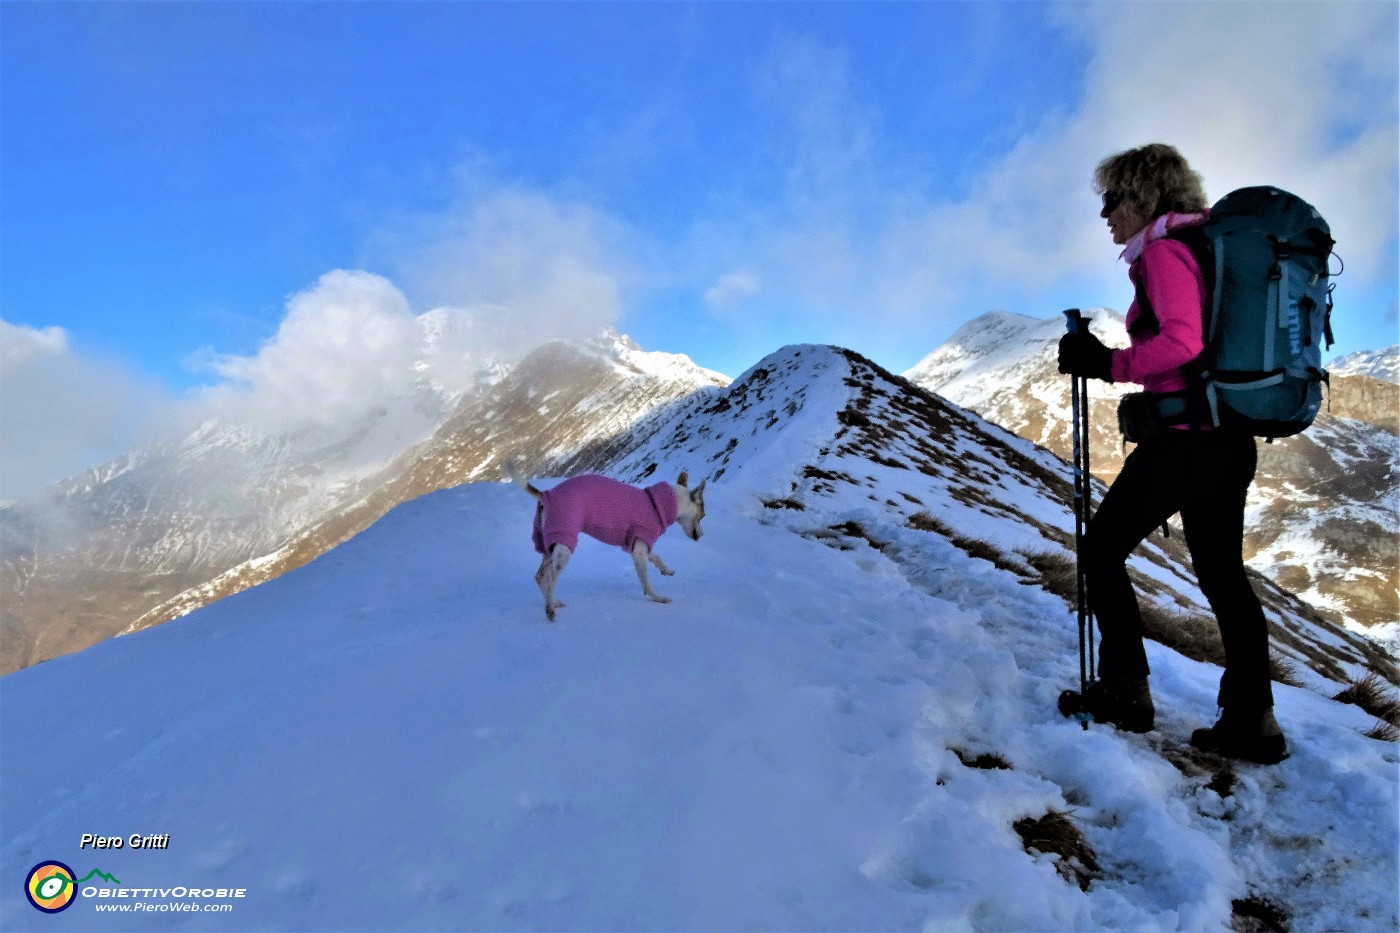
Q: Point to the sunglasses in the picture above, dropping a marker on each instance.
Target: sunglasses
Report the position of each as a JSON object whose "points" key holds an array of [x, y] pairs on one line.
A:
{"points": [[1111, 200]]}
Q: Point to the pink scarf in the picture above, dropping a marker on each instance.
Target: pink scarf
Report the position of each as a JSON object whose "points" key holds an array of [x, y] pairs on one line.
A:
{"points": [[1157, 229]]}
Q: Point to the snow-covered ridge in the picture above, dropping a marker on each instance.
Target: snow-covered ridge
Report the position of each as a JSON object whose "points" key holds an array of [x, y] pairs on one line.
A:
{"points": [[1378, 364], [844, 720], [815, 421], [999, 341], [622, 351]]}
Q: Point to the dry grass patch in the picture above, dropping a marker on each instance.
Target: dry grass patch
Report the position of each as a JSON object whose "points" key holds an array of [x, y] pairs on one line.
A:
{"points": [[923, 521], [1376, 697], [854, 529], [1383, 731], [1058, 574], [793, 504], [1055, 834], [985, 761], [1283, 670], [1190, 633]]}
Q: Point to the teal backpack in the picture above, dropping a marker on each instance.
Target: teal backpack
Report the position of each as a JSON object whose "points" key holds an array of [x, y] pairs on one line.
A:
{"points": [[1264, 256]]}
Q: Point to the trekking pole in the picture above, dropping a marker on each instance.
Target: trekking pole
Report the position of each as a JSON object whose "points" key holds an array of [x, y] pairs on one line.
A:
{"points": [[1088, 496], [1079, 415]]}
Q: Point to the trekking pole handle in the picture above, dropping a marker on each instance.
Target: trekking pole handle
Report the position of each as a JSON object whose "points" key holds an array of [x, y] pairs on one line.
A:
{"points": [[1074, 321]]}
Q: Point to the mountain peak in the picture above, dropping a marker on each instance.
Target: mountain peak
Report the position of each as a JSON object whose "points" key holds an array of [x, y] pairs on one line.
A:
{"points": [[1001, 338], [622, 351], [1378, 364]]}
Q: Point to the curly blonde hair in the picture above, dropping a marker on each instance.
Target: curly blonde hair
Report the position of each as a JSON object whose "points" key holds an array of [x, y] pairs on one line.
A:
{"points": [[1155, 179]]}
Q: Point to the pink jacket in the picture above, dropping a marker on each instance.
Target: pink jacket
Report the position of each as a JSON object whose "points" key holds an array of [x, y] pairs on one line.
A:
{"points": [[611, 511], [1167, 272]]}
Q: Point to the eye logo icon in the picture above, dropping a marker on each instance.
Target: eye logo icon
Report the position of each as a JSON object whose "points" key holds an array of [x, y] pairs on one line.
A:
{"points": [[50, 887]]}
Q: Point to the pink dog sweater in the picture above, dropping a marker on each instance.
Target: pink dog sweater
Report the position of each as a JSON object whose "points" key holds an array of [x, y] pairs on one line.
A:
{"points": [[611, 511]]}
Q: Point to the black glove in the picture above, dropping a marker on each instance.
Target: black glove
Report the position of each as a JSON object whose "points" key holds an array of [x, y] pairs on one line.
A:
{"points": [[1083, 354]]}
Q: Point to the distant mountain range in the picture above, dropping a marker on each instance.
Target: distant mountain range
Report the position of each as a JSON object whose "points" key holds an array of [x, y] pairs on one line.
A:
{"points": [[172, 527], [1378, 364], [1322, 518], [148, 538]]}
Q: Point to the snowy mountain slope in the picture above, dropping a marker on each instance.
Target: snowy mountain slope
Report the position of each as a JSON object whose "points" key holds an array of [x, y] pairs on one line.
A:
{"points": [[1002, 365], [560, 412], [171, 528], [1323, 520], [811, 423], [818, 733], [560, 407], [1378, 364], [85, 557]]}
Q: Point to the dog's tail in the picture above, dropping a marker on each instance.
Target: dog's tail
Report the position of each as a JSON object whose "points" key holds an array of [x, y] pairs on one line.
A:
{"points": [[513, 471]]}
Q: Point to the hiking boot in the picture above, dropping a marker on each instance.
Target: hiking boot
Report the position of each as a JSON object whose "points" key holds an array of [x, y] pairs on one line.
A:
{"points": [[1246, 736], [1124, 703]]}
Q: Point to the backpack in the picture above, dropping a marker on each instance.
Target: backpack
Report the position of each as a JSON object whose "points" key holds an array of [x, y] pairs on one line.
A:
{"points": [[1264, 255]]}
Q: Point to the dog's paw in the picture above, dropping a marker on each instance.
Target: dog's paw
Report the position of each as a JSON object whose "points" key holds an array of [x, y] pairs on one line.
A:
{"points": [[656, 597], [667, 572]]}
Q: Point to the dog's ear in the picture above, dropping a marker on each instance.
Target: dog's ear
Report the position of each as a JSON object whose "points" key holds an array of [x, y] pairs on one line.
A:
{"points": [[684, 479], [700, 490]]}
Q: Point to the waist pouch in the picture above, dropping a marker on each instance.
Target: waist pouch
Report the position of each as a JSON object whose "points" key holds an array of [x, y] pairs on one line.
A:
{"points": [[1143, 416]]}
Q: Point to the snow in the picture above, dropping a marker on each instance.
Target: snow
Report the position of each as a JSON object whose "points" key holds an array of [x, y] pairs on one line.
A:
{"points": [[985, 356], [623, 353], [393, 738], [1379, 364]]}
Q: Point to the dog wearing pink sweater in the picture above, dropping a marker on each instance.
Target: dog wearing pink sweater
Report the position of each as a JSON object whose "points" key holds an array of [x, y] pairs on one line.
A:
{"points": [[613, 512]]}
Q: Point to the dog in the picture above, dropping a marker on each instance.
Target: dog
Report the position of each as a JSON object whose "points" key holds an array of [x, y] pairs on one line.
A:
{"points": [[613, 512]]}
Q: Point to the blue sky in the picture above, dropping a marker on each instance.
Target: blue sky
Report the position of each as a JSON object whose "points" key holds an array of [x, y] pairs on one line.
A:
{"points": [[712, 179]]}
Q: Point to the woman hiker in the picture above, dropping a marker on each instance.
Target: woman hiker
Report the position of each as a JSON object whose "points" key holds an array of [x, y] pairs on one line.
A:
{"points": [[1200, 472]]}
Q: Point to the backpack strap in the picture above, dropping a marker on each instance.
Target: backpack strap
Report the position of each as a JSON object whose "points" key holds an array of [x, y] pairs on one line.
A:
{"points": [[1199, 397], [1217, 247], [1204, 251], [1146, 322], [1276, 301]]}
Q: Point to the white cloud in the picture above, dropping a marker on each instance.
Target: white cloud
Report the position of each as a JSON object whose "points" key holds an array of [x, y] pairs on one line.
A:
{"points": [[504, 271], [528, 266], [855, 246], [351, 358], [63, 410], [351, 362], [799, 263], [22, 344], [346, 346], [732, 287], [1298, 95]]}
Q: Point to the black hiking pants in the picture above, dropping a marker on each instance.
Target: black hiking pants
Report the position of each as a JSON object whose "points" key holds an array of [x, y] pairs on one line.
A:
{"points": [[1204, 475]]}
